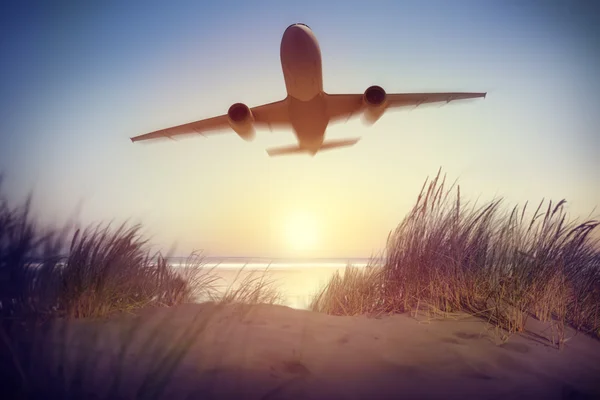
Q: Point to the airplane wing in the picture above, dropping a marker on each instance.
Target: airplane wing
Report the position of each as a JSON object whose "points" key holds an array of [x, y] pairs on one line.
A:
{"points": [[346, 105], [272, 114]]}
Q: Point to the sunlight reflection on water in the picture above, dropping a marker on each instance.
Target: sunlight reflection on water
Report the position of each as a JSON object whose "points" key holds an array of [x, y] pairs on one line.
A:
{"points": [[297, 282]]}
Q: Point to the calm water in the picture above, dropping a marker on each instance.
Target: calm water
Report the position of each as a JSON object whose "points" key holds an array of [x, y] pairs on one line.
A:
{"points": [[296, 280], [261, 263]]}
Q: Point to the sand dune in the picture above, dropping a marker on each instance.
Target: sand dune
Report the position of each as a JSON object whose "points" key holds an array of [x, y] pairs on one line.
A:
{"points": [[275, 352]]}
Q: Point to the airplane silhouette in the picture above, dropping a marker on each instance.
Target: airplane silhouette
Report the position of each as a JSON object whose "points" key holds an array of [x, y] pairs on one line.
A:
{"points": [[307, 108]]}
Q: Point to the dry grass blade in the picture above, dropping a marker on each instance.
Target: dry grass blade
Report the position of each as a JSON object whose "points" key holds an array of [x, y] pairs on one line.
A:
{"points": [[454, 257], [254, 288]]}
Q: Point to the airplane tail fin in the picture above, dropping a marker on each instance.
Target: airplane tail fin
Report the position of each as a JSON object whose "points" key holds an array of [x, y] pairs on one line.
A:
{"points": [[331, 144]]}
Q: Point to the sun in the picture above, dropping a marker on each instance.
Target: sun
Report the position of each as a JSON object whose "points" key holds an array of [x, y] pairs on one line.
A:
{"points": [[301, 231]]}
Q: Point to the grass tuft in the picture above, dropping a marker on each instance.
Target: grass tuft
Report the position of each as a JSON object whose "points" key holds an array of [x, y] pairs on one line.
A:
{"points": [[452, 256], [255, 288], [49, 277]]}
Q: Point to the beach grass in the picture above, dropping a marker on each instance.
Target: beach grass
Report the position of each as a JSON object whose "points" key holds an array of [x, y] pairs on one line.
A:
{"points": [[448, 256], [255, 288], [49, 277]]}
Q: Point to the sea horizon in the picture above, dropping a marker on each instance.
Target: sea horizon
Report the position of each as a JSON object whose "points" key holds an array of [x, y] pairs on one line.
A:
{"points": [[276, 262], [234, 262]]}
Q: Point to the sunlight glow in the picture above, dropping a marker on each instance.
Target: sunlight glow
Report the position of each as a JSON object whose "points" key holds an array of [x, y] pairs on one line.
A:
{"points": [[301, 231]]}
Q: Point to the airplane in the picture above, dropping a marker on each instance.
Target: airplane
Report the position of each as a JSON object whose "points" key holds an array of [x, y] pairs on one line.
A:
{"points": [[307, 108]]}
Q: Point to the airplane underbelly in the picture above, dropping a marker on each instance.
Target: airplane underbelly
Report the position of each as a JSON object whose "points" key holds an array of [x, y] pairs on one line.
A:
{"points": [[304, 86], [309, 120]]}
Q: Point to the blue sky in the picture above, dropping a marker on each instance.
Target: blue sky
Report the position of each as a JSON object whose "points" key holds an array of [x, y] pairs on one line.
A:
{"points": [[79, 79]]}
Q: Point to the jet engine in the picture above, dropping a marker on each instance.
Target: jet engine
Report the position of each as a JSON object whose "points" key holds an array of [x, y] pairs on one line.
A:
{"points": [[241, 121], [374, 99]]}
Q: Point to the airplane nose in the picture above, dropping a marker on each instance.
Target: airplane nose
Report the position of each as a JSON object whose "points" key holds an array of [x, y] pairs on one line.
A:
{"points": [[297, 42], [298, 25], [301, 61], [297, 35]]}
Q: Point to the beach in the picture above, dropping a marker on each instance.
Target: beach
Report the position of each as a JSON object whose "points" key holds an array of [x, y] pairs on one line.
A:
{"points": [[296, 284], [240, 351]]}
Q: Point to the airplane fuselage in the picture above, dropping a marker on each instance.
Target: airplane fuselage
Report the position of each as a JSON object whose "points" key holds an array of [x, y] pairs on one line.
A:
{"points": [[303, 75]]}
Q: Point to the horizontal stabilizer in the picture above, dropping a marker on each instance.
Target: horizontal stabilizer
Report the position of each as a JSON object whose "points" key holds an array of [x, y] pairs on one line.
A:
{"points": [[332, 144], [281, 151]]}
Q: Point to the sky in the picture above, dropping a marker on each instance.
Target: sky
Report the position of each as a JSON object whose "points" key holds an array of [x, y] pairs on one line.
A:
{"points": [[80, 78]]}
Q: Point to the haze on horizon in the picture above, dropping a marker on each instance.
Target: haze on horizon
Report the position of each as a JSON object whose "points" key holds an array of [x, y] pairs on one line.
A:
{"points": [[78, 80]]}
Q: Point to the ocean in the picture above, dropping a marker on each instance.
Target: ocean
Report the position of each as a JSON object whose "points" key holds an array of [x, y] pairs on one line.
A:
{"points": [[261, 263], [296, 280]]}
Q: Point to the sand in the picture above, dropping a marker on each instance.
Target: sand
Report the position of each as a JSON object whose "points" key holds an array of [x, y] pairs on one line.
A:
{"points": [[275, 352]]}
